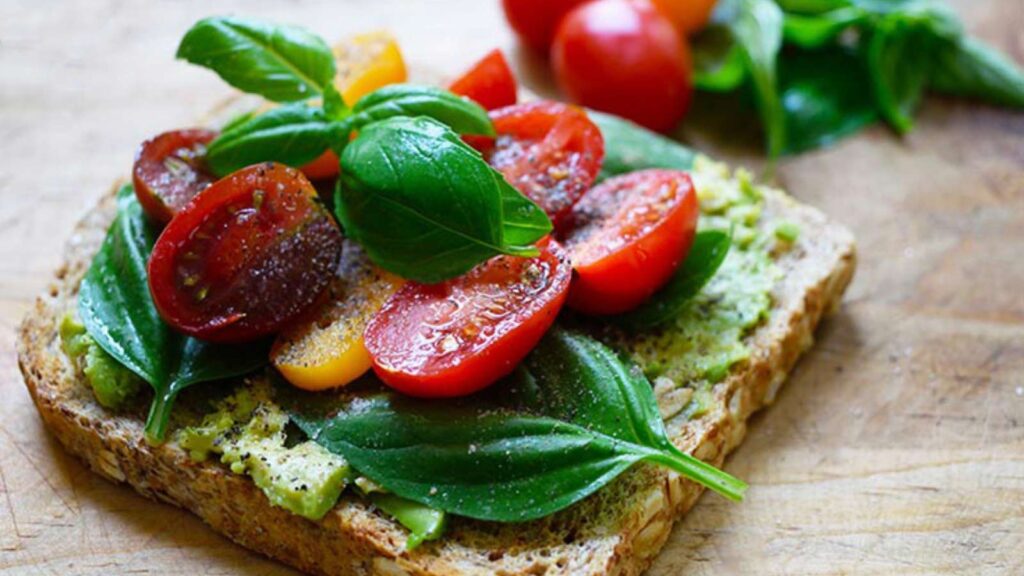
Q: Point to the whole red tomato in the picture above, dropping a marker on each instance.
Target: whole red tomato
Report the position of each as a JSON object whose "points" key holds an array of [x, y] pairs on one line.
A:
{"points": [[626, 58], [535, 21]]}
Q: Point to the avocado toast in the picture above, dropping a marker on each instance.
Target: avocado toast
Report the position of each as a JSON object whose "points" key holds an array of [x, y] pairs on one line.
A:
{"points": [[617, 530]]}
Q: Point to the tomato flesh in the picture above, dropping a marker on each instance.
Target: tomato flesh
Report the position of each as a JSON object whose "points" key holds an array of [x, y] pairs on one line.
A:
{"points": [[625, 58], [170, 170], [490, 82], [457, 337], [628, 235], [549, 151], [323, 167], [535, 21], [688, 16], [246, 256]]}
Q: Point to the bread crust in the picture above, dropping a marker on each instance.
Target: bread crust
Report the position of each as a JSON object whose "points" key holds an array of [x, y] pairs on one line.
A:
{"points": [[617, 531]]}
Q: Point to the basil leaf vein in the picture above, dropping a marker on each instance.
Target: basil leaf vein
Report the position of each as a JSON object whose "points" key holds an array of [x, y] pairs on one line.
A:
{"points": [[116, 308]]}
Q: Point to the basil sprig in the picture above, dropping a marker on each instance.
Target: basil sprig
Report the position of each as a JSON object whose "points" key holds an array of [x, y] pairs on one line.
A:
{"points": [[422, 203], [118, 312], [573, 419], [425, 205], [812, 92]]}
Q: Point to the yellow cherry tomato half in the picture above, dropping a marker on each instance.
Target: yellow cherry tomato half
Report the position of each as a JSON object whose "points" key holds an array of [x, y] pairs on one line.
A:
{"points": [[367, 62], [326, 350]]}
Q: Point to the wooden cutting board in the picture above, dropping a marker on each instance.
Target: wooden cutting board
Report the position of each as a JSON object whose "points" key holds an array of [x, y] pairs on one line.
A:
{"points": [[897, 445]]}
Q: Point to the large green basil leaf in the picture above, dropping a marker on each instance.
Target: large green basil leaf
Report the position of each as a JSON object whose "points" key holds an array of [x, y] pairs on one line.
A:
{"points": [[280, 63], [425, 205], [574, 419], [629, 147], [826, 95], [705, 257], [118, 312], [292, 134], [820, 29], [460, 114], [968, 67]]}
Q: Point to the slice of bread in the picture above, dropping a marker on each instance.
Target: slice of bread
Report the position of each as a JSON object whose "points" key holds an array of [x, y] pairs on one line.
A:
{"points": [[617, 531]]}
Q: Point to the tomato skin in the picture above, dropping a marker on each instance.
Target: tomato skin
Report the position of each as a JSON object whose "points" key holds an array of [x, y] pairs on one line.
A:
{"points": [[169, 171], [625, 58], [489, 82], [457, 337], [535, 21], [688, 16], [324, 167], [549, 151], [249, 254], [629, 235]]}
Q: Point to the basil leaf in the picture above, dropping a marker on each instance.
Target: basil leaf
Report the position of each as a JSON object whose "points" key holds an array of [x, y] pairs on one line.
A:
{"points": [[118, 312], [424, 523], [899, 76], [577, 418], [718, 63], [757, 30], [334, 104], [292, 134], [280, 63], [460, 114], [812, 6], [425, 205], [826, 95], [818, 30], [705, 257], [629, 147], [968, 67]]}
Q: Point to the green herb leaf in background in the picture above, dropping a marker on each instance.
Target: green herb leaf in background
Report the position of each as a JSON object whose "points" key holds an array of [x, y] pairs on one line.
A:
{"points": [[280, 63], [118, 312], [821, 29], [292, 134], [425, 205], [573, 419], [968, 67], [757, 30], [460, 114], [718, 62], [898, 71], [629, 147], [706, 255]]}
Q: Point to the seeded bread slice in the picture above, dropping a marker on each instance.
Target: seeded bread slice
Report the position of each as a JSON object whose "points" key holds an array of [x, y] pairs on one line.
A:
{"points": [[617, 531]]}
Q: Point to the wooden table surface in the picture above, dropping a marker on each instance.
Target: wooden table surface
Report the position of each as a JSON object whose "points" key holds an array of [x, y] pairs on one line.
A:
{"points": [[897, 445]]}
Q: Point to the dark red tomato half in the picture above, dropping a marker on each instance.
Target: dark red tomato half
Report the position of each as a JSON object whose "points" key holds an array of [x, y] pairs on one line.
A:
{"points": [[550, 151], [170, 170], [247, 255], [625, 58], [535, 21], [457, 337], [490, 82], [627, 236]]}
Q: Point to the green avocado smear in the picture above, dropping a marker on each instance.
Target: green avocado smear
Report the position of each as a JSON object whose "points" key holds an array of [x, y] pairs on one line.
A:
{"points": [[111, 383]]}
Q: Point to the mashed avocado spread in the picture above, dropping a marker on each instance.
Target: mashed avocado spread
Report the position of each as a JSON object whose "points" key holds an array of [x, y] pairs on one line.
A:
{"points": [[248, 431], [111, 383]]}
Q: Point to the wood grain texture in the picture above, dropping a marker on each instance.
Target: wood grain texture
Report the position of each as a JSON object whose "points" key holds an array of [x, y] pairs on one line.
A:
{"points": [[898, 445]]}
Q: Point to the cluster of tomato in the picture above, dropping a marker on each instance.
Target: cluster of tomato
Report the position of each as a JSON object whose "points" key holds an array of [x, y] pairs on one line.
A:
{"points": [[627, 57], [252, 254]]}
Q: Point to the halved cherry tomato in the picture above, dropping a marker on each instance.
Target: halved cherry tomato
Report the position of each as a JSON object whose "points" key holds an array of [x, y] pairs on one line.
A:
{"points": [[688, 16], [169, 170], [535, 21], [490, 82], [625, 58], [628, 235], [550, 151], [457, 337], [246, 256]]}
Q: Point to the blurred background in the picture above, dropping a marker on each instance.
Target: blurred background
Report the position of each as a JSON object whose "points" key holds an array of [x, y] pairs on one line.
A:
{"points": [[897, 445]]}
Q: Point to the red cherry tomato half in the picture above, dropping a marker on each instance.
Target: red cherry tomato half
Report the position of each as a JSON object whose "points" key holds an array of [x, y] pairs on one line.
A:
{"points": [[625, 58], [535, 21], [325, 166], [169, 171], [247, 255], [457, 337], [550, 151], [628, 235], [490, 82]]}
